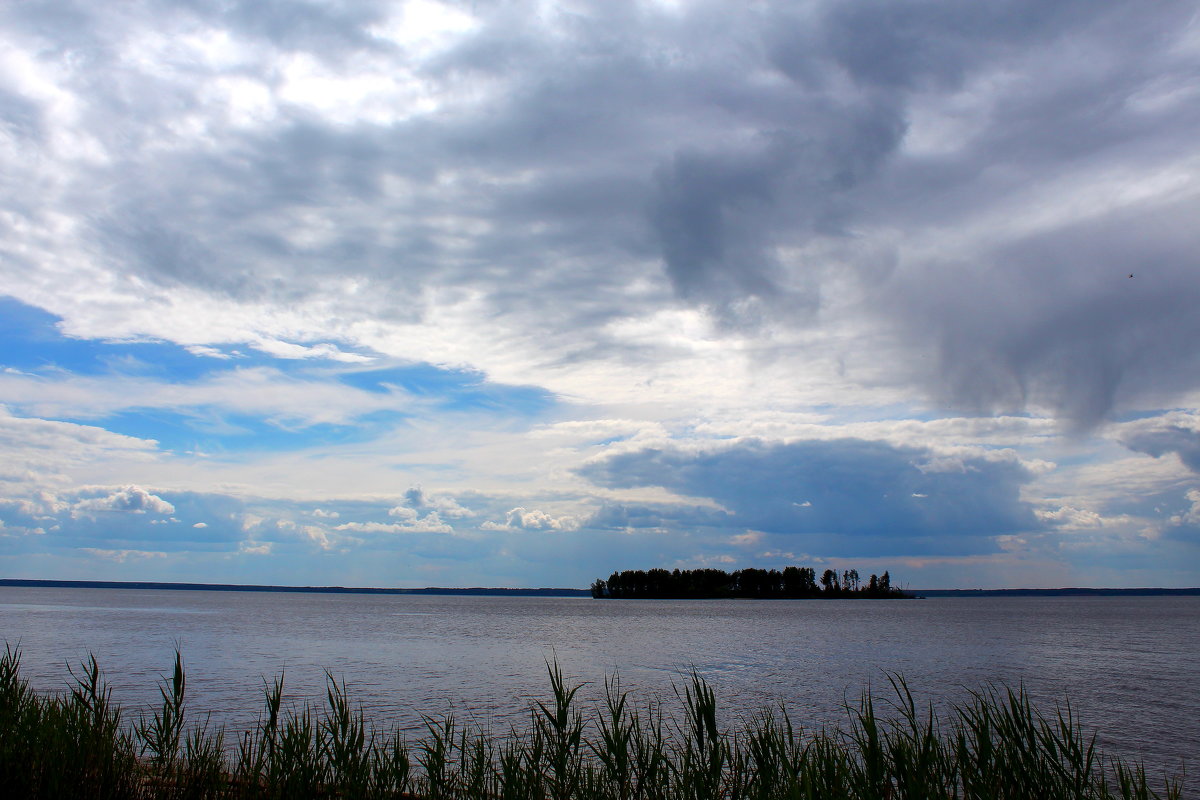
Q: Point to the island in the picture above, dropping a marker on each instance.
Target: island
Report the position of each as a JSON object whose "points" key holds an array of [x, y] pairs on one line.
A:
{"points": [[789, 583]]}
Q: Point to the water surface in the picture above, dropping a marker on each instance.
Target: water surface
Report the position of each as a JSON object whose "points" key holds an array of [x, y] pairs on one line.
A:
{"points": [[1128, 664]]}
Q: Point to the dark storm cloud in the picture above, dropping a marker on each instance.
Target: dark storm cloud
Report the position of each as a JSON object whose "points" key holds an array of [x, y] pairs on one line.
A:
{"points": [[718, 215], [1049, 317], [1082, 319], [1083, 314], [848, 488]]}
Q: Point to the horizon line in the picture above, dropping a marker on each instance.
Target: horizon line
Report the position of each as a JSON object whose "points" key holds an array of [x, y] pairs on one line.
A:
{"points": [[541, 590]]}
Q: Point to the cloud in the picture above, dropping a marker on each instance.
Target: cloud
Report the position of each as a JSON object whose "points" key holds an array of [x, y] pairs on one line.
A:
{"points": [[319, 536], [39, 453], [870, 170], [286, 400], [417, 500], [1191, 516], [747, 539], [520, 519], [208, 352], [643, 516], [134, 518], [132, 499], [1080, 339], [321, 351], [121, 556], [410, 522], [719, 217], [855, 489], [1177, 432], [1071, 518]]}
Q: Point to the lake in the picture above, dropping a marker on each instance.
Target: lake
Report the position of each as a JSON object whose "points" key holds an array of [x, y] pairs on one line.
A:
{"points": [[1128, 665]]}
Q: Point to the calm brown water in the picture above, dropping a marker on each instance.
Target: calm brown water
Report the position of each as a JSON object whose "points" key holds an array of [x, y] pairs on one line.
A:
{"points": [[1129, 666]]}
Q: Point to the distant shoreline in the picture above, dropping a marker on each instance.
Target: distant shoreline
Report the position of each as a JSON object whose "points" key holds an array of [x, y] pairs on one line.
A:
{"points": [[247, 587], [1063, 592]]}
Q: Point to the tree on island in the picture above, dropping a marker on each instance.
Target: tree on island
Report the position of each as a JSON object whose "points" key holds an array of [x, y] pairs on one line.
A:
{"points": [[791, 583], [829, 580], [850, 579]]}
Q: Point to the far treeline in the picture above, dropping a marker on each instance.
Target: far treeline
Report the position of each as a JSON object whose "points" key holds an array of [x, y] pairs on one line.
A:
{"points": [[791, 583]]}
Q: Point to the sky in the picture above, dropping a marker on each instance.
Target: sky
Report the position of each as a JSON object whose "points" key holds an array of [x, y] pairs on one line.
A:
{"points": [[506, 293]]}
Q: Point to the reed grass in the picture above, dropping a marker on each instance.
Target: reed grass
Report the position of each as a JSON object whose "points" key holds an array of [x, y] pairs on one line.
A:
{"points": [[995, 746]]}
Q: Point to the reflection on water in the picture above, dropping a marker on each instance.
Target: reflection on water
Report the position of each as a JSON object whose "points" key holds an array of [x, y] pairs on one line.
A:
{"points": [[1128, 664]]}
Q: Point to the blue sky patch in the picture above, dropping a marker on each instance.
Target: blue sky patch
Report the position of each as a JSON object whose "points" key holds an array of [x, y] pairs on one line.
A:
{"points": [[454, 390], [31, 341]]}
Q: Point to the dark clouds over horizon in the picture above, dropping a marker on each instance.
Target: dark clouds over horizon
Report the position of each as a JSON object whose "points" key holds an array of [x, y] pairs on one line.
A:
{"points": [[900, 499]]}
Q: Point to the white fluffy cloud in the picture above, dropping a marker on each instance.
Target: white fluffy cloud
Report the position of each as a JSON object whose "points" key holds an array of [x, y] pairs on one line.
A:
{"points": [[520, 519], [416, 501], [1192, 515], [409, 521], [131, 499]]}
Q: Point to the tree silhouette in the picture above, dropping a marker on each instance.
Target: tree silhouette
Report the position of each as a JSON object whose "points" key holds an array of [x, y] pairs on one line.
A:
{"points": [[793, 582]]}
